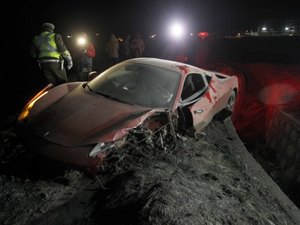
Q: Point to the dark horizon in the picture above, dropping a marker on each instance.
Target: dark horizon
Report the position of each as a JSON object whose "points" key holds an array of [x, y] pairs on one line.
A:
{"points": [[154, 16]]}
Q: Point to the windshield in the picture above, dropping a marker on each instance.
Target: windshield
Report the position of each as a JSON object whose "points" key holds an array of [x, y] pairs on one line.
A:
{"points": [[136, 83]]}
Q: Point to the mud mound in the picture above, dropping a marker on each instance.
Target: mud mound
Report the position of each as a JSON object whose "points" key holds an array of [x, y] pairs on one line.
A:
{"points": [[201, 181]]}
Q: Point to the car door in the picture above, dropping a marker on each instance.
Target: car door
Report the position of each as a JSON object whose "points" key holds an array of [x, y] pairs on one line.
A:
{"points": [[200, 100], [222, 87]]}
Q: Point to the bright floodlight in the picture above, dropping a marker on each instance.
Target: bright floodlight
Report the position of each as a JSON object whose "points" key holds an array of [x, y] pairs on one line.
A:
{"points": [[177, 30], [264, 29], [81, 41]]}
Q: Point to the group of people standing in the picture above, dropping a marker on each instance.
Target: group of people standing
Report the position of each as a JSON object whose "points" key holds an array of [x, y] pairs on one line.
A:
{"points": [[54, 58], [133, 47]]}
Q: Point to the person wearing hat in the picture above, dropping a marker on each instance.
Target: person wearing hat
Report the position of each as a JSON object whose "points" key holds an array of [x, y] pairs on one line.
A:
{"points": [[50, 51]]}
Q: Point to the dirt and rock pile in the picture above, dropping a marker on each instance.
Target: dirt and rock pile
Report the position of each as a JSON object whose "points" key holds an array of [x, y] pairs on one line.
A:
{"points": [[206, 180]]}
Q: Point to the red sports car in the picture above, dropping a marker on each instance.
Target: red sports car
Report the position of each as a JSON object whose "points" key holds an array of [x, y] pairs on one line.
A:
{"points": [[145, 100]]}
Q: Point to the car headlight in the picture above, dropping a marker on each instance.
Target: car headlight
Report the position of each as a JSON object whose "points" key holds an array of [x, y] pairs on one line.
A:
{"points": [[25, 112], [100, 147]]}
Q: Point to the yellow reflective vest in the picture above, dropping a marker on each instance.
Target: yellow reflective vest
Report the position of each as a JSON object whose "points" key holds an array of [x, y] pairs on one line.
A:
{"points": [[46, 45]]}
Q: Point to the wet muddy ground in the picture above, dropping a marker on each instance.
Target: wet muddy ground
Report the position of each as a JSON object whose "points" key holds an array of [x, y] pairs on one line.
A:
{"points": [[205, 180]]}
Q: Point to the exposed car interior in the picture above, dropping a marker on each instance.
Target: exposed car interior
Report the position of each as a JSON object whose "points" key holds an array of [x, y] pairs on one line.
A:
{"points": [[139, 84], [193, 88]]}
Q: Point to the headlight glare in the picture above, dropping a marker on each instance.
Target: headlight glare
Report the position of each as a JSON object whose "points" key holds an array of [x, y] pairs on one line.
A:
{"points": [[25, 112]]}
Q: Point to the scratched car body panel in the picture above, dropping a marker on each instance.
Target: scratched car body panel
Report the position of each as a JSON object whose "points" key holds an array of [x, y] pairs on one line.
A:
{"points": [[136, 101]]}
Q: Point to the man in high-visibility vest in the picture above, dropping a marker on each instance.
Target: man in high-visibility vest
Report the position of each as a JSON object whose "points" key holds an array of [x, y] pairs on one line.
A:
{"points": [[50, 51]]}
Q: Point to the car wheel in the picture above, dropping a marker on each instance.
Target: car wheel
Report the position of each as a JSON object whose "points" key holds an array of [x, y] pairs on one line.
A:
{"points": [[231, 101], [185, 122], [228, 109]]}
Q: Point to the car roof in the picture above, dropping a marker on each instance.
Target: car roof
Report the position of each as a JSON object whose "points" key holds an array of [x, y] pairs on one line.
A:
{"points": [[179, 67]]}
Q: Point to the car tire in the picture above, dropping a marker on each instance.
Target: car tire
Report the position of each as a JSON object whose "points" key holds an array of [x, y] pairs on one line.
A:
{"points": [[228, 109], [185, 122], [231, 101]]}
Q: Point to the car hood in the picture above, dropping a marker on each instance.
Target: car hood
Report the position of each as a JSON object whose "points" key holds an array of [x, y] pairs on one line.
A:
{"points": [[82, 118]]}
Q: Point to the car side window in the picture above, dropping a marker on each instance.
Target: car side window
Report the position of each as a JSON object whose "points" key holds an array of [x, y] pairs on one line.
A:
{"points": [[193, 83]]}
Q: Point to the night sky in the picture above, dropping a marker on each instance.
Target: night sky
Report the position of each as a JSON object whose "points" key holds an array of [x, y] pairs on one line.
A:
{"points": [[121, 16], [146, 16]]}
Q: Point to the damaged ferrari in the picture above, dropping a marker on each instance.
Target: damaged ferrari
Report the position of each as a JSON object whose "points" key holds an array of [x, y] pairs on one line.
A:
{"points": [[145, 101]]}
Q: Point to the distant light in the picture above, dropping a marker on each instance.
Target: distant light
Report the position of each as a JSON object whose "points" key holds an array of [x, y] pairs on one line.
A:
{"points": [[286, 28], [81, 41], [203, 35], [177, 30], [191, 34], [264, 29], [152, 36], [97, 34], [69, 36]]}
